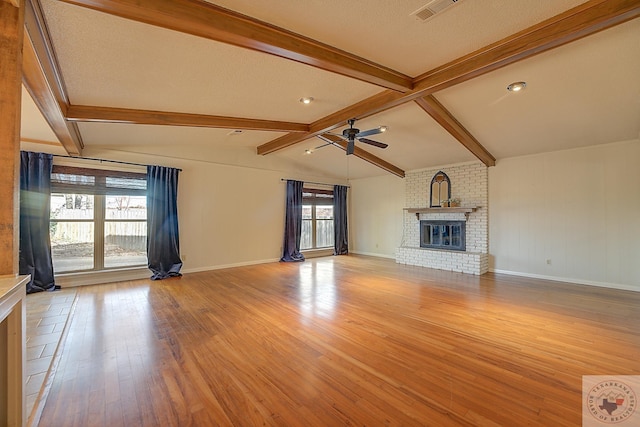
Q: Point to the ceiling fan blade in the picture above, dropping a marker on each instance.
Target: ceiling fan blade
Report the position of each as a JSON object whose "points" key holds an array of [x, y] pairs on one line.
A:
{"points": [[351, 146], [374, 143], [369, 132], [323, 145], [326, 141]]}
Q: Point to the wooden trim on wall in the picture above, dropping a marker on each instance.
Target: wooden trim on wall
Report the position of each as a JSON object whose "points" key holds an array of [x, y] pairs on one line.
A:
{"points": [[445, 119], [87, 113], [11, 39], [207, 20]]}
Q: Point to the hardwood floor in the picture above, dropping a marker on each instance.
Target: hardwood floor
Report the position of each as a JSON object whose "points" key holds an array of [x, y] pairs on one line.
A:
{"points": [[337, 341]]}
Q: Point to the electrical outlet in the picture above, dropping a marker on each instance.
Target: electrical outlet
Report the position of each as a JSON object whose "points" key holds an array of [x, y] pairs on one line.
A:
{"points": [[548, 261], [183, 257]]}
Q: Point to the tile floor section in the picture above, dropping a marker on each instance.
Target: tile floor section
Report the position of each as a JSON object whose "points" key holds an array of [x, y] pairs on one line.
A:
{"points": [[47, 314]]}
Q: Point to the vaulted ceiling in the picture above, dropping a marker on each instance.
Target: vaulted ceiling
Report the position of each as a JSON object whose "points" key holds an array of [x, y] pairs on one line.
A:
{"points": [[180, 78]]}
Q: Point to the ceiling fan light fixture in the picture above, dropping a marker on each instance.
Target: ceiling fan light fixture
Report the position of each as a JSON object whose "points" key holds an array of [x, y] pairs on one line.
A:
{"points": [[383, 128], [308, 151], [306, 100], [517, 87]]}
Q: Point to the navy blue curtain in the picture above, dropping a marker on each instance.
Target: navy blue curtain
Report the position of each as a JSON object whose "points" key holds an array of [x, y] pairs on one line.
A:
{"points": [[340, 230], [163, 243], [35, 200], [293, 223]]}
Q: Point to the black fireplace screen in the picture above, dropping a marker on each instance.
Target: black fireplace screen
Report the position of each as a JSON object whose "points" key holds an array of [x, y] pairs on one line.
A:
{"points": [[442, 235]]}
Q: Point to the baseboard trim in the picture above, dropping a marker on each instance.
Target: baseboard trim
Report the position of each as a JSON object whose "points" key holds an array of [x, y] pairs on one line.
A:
{"points": [[98, 277], [373, 254], [237, 264], [568, 280]]}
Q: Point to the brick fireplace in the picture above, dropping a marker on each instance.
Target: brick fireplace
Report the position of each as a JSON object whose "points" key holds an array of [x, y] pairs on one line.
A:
{"points": [[469, 183]]}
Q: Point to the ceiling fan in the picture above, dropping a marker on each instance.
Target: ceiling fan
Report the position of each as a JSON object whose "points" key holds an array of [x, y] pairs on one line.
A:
{"points": [[351, 134]]}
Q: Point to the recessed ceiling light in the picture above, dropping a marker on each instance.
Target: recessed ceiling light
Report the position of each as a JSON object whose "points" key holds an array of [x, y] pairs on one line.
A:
{"points": [[517, 86], [235, 132], [307, 100]]}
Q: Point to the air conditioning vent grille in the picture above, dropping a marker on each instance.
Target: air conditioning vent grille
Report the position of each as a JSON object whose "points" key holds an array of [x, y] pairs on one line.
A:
{"points": [[424, 14], [433, 8]]}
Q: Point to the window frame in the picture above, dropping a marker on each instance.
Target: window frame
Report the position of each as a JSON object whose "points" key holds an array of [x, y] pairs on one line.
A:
{"points": [[317, 197], [100, 190]]}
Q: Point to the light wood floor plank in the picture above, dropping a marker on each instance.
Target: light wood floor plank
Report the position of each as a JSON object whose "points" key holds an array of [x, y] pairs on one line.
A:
{"points": [[346, 340]]}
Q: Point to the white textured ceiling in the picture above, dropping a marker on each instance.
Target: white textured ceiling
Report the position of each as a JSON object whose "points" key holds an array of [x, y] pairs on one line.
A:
{"points": [[122, 63], [384, 31], [583, 93]]}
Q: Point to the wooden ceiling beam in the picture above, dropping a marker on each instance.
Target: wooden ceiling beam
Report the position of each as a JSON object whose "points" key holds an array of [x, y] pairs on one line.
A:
{"points": [[38, 87], [581, 21], [213, 22], [365, 155], [86, 113], [586, 19], [41, 77], [445, 119], [332, 121]]}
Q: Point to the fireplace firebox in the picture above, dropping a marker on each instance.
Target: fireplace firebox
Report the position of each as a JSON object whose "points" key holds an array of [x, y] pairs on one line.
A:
{"points": [[448, 235]]}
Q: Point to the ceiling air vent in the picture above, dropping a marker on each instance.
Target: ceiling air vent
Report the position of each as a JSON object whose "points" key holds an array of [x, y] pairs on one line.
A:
{"points": [[431, 9]]}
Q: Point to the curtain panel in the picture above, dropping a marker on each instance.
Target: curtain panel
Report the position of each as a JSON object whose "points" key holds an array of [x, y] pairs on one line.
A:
{"points": [[35, 201], [163, 243], [340, 230], [293, 223]]}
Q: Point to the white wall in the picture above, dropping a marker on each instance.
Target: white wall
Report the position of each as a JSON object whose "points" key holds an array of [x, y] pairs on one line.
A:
{"points": [[579, 209], [376, 216], [229, 215]]}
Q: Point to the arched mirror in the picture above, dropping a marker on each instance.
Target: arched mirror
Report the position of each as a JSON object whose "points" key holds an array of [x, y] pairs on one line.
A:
{"points": [[440, 189]]}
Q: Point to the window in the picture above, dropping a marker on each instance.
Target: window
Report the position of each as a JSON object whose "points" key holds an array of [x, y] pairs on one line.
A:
{"points": [[98, 219], [440, 189], [317, 219]]}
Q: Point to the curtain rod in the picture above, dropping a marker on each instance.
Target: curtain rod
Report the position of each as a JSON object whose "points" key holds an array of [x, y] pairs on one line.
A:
{"points": [[103, 160], [316, 183]]}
